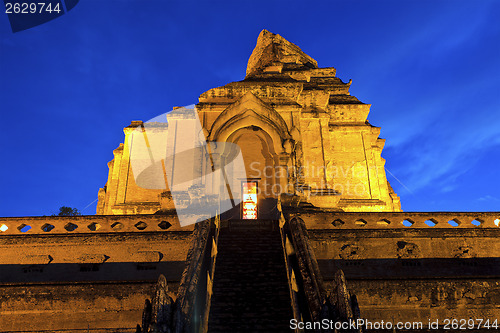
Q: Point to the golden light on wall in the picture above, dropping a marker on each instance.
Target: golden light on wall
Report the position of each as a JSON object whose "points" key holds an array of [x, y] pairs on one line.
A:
{"points": [[249, 205]]}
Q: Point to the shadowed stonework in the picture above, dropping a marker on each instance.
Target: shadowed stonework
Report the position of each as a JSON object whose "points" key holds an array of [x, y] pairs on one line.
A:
{"points": [[330, 242]]}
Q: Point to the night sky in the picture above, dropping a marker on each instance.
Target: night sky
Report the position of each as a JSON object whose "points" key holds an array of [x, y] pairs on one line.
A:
{"points": [[430, 69]]}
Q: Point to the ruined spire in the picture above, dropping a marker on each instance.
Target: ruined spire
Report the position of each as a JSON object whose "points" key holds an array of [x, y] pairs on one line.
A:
{"points": [[274, 50]]}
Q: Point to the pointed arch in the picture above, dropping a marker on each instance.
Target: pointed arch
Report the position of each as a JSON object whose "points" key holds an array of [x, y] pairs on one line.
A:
{"points": [[250, 111]]}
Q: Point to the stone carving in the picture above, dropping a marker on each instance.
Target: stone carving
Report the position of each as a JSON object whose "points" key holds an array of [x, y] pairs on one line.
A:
{"points": [[407, 250], [157, 316], [350, 251], [341, 305], [463, 252]]}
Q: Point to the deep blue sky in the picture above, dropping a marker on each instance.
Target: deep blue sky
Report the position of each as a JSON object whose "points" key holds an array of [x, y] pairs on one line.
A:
{"points": [[430, 69]]}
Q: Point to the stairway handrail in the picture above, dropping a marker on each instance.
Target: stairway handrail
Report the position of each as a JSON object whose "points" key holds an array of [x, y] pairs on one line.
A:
{"points": [[191, 308], [293, 231], [339, 304]]}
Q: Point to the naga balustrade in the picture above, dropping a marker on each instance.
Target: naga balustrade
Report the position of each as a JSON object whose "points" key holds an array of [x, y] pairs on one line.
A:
{"points": [[310, 301], [190, 310]]}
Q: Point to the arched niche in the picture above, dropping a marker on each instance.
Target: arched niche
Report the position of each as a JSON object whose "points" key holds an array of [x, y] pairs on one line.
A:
{"points": [[222, 131], [260, 157]]}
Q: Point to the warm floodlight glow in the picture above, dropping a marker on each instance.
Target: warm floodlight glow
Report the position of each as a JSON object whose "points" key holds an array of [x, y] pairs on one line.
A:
{"points": [[3, 228], [249, 201], [497, 222]]}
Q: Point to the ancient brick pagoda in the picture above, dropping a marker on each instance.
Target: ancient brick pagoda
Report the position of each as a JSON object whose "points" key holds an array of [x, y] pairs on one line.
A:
{"points": [[329, 240], [287, 114]]}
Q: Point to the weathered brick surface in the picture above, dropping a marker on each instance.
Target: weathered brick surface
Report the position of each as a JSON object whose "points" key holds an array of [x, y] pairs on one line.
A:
{"points": [[287, 114], [411, 300], [412, 273], [73, 307], [83, 279]]}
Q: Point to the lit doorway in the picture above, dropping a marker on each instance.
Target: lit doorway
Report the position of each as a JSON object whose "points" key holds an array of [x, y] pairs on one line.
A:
{"points": [[249, 204]]}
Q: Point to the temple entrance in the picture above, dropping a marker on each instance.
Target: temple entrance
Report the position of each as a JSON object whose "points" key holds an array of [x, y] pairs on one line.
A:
{"points": [[260, 159], [264, 141], [262, 185]]}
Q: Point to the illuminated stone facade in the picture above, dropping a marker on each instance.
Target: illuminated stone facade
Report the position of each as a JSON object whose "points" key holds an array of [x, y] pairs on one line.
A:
{"points": [[300, 131], [93, 273]]}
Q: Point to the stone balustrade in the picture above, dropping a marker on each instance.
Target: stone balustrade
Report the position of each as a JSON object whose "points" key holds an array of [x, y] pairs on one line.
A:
{"points": [[89, 224], [314, 219], [321, 219]]}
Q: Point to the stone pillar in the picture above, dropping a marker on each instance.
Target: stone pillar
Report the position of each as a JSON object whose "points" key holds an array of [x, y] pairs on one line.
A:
{"points": [[124, 166], [284, 163], [325, 146]]}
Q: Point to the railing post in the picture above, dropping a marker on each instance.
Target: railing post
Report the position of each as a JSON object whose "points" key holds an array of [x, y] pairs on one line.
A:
{"points": [[211, 271]]}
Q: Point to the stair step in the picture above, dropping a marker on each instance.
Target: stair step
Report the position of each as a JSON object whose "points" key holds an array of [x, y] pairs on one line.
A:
{"points": [[250, 291]]}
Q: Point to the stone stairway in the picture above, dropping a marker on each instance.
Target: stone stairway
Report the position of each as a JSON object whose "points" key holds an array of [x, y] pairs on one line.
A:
{"points": [[250, 292]]}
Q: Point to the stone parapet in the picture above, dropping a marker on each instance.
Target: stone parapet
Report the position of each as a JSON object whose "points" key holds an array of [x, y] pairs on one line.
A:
{"points": [[51, 225], [435, 265], [324, 219]]}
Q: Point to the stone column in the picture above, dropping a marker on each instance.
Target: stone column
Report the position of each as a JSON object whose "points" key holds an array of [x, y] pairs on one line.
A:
{"points": [[285, 162], [325, 146]]}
